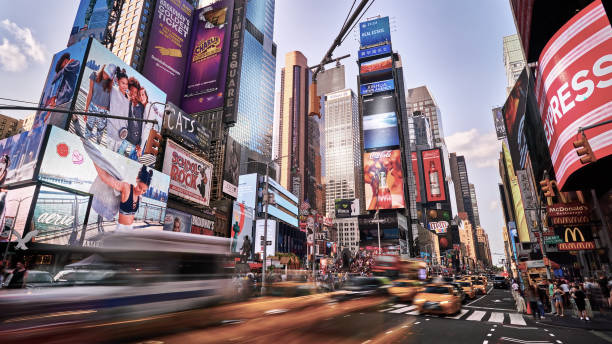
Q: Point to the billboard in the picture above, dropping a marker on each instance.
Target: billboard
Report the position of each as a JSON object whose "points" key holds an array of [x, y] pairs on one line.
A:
{"points": [[417, 179], [126, 195], [374, 31], [185, 128], [376, 87], [231, 167], [242, 229], [234, 62], [575, 238], [19, 155], [375, 51], [514, 119], [373, 70], [271, 237], [207, 61], [331, 80], [109, 86], [61, 83], [16, 207], [346, 208], [190, 175], [380, 130], [574, 70], [247, 189], [200, 225], [434, 175], [498, 120], [59, 216], [168, 46], [517, 201], [378, 104], [177, 221], [91, 20], [383, 173]]}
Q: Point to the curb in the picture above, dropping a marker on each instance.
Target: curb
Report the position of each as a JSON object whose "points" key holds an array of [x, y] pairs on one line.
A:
{"points": [[604, 329]]}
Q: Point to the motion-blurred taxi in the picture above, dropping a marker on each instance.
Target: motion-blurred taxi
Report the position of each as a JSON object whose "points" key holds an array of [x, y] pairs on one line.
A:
{"points": [[438, 299], [479, 285], [404, 289], [468, 288]]}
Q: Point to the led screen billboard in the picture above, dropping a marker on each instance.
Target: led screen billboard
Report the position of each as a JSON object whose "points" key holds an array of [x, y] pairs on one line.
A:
{"points": [[260, 226], [380, 130], [514, 118], [517, 201], [374, 31], [498, 120], [380, 64], [346, 207], [378, 104], [573, 89], [417, 179], [91, 20], [19, 155], [375, 51], [14, 216], [242, 229], [207, 59], [61, 83], [433, 175], [376, 87], [168, 46], [185, 128], [383, 173], [231, 167], [177, 221], [109, 86], [126, 194], [247, 189], [190, 175]]}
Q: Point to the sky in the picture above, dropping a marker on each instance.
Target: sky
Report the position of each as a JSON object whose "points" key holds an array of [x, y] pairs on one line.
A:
{"points": [[452, 47]]}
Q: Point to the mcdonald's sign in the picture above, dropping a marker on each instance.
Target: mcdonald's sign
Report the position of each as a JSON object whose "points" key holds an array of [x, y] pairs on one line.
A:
{"points": [[575, 238]]}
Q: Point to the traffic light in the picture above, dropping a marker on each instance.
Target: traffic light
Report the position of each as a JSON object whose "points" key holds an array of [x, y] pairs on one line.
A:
{"points": [[547, 187], [583, 149], [153, 143], [315, 101]]}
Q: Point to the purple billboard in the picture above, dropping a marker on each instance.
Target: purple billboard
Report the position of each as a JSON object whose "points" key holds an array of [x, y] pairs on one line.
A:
{"points": [[168, 47], [207, 62]]}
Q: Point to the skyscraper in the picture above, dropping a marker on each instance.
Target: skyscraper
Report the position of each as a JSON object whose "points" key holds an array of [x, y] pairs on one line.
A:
{"points": [[514, 61], [474, 205], [462, 186], [132, 30], [419, 101]]}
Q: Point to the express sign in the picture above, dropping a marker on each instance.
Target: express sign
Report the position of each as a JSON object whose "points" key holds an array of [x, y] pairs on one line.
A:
{"points": [[574, 88]]}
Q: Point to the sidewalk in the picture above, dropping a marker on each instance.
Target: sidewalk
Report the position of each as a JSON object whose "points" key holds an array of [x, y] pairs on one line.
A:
{"points": [[598, 322]]}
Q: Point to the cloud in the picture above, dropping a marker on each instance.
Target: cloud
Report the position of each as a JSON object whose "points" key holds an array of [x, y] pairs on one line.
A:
{"points": [[494, 205], [19, 47], [480, 150]]}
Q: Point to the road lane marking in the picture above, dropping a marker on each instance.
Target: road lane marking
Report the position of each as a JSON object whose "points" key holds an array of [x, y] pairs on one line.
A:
{"points": [[399, 305], [550, 334], [462, 313], [517, 319], [413, 313], [515, 340], [493, 309], [476, 316], [388, 332], [560, 342], [403, 309], [489, 334], [276, 311], [418, 322], [485, 342], [497, 317]]}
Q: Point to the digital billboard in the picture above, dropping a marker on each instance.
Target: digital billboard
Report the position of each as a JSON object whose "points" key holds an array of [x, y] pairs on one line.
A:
{"points": [[19, 155], [374, 31], [59, 216], [433, 175], [383, 173], [383, 63], [247, 189], [375, 51], [517, 201], [61, 83], [190, 175], [17, 204], [498, 121], [346, 208], [376, 87], [417, 179], [186, 128], [126, 195], [378, 104], [573, 88], [514, 118], [91, 20], [177, 221], [231, 167], [259, 233], [207, 59], [168, 46], [242, 228], [109, 86], [380, 130]]}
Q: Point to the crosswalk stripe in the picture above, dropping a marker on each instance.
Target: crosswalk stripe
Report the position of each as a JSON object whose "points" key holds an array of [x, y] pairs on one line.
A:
{"points": [[399, 305], [462, 313], [403, 309], [413, 313], [517, 319], [497, 317], [476, 316]]}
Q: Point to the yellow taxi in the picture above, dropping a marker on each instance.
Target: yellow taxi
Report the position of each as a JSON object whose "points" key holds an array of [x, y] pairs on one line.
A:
{"points": [[404, 289], [438, 299], [468, 288], [479, 285]]}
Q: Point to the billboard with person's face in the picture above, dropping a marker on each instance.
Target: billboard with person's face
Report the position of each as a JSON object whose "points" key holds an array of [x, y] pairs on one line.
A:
{"points": [[242, 229], [126, 195], [19, 155], [190, 176], [169, 46], [207, 60], [177, 221], [434, 176], [91, 20], [111, 87], [14, 215], [61, 84], [385, 178], [231, 167]]}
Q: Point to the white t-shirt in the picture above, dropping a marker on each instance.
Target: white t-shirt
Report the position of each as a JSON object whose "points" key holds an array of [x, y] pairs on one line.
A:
{"points": [[119, 106], [514, 286], [565, 288]]}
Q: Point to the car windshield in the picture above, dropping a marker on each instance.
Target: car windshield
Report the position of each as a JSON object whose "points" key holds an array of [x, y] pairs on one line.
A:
{"points": [[38, 277], [362, 281], [436, 290], [465, 284]]}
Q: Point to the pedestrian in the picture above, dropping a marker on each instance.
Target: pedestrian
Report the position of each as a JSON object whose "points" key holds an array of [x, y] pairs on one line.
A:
{"points": [[558, 299], [19, 276], [580, 299], [566, 292], [542, 299], [551, 299], [532, 297], [605, 291]]}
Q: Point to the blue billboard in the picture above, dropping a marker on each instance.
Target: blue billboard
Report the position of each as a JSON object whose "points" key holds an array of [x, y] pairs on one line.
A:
{"points": [[375, 87], [374, 31], [380, 50]]}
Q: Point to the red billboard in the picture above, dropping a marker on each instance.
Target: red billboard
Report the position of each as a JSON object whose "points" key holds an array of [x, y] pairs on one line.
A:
{"points": [[415, 171], [434, 178], [383, 173], [575, 71]]}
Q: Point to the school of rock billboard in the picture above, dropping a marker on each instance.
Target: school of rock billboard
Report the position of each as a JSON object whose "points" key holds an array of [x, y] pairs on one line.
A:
{"points": [[573, 89], [434, 176], [190, 176], [384, 175]]}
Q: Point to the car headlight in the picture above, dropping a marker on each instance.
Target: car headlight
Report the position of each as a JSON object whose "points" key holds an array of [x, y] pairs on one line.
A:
{"points": [[443, 302], [419, 300]]}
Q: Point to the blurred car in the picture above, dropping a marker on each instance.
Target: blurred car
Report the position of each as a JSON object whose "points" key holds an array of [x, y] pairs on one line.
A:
{"points": [[485, 278], [500, 282], [468, 288], [84, 277], [363, 286], [438, 299], [34, 279], [460, 291], [404, 289], [479, 285]]}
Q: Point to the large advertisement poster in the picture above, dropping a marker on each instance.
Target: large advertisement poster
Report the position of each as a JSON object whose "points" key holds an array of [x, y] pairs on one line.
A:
{"points": [[242, 229], [433, 174], [517, 200], [345, 208], [574, 88], [380, 130], [231, 167], [376, 70], [417, 179], [168, 46], [383, 173], [177, 221], [61, 84], [186, 128], [207, 61], [126, 195], [379, 50], [14, 213], [271, 238], [91, 20], [498, 120], [376, 87], [190, 176], [514, 118], [109, 86], [19, 155], [374, 31]]}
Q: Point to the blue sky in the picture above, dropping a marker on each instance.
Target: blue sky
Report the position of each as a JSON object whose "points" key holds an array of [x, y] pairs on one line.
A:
{"points": [[453, 47]]}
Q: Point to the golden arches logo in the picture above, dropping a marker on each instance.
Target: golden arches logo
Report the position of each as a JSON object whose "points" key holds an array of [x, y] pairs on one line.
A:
{"points": [[573, 233]]}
